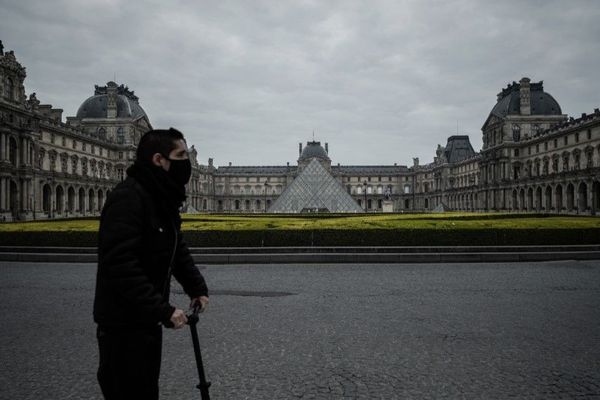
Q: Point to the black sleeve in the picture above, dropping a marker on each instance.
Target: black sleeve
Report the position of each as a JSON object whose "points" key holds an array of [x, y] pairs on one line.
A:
{"points": [[186, 273], [120, 245]]}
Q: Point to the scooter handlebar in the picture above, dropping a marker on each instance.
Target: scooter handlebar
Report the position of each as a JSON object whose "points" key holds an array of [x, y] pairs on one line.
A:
{"points": [[192, 317]]}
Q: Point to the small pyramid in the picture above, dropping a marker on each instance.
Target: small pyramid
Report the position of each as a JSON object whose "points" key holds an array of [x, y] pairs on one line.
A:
{"points": [[314, 190], [441, 208]]}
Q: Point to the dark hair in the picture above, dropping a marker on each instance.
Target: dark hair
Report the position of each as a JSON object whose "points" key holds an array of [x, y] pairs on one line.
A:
{"points": [[157, 141]]}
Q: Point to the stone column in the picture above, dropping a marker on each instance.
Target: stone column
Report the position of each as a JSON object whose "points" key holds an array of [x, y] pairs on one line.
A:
{"points": [[26, 151], [590, 195], [543, 199], [2, 194], [563, 198], [4, 152], [22, 160]]}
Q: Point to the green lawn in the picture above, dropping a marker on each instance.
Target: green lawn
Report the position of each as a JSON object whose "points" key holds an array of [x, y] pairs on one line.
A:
{"points": [[446, 221]]}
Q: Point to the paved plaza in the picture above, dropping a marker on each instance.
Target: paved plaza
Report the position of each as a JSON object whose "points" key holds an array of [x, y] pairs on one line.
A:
{"points": [[423, 331]]}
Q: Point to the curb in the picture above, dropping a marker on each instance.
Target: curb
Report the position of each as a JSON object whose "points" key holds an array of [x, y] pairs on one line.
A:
{"points": [[312, 255]]}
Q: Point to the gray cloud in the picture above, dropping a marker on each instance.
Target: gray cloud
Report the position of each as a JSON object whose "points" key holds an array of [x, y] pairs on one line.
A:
{"points": [[381, 81]]}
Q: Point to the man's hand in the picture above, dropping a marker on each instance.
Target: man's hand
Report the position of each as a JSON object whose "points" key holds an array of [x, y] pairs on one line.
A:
{"points": [[203, 300], [178, 319]]}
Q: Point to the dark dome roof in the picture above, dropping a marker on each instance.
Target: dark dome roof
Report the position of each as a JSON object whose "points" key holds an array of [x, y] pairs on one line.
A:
{"points": [[313, 150], [542, 103], [127, 104]]}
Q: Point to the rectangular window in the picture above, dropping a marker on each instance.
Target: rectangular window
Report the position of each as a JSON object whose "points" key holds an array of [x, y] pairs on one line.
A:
{"points": [[537, 148], [589, 134], [74, 144], [120, 155], [546, 146], [576, 137], [83, 146], [555, 143], [566, 140], [529, 150], [516, 152]]}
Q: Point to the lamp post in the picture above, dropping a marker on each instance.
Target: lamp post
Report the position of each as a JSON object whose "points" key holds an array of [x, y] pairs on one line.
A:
{"points": [[365, 191]]}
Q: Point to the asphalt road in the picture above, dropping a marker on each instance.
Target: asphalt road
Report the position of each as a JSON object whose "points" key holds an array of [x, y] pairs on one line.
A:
{"points": [[426, 331]]}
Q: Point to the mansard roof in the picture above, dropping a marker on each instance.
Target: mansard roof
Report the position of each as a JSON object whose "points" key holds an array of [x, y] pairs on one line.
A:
{"points": [[509, 101], [255, 170], [458, 148], [369, 169], [314, 150], [96, 105]]}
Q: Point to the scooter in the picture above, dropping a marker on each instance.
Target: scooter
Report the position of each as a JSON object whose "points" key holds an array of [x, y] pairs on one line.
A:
{"points": [[192, 321]]}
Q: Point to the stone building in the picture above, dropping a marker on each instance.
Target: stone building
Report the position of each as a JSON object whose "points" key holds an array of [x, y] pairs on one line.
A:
{"points": [[534, 159]]}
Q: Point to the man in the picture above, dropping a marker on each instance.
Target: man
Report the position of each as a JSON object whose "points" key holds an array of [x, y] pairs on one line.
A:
{"points": [[140, 247]]}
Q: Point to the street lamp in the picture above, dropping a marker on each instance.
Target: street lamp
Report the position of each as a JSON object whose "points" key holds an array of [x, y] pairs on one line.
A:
{"points": [[365, 191]]}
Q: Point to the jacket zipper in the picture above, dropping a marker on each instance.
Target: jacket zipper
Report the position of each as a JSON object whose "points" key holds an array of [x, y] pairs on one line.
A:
{"points": [[168, 278]]}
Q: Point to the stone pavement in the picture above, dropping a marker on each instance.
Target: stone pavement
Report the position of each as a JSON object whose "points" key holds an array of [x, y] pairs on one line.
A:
{"points": [[421, 331]]}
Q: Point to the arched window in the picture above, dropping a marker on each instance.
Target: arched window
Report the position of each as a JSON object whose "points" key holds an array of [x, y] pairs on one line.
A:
{"points": [[102, 133], [9, 89]]}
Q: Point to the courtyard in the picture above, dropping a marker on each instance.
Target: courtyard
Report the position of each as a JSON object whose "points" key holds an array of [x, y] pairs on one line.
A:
{"points": [[422, 331]]}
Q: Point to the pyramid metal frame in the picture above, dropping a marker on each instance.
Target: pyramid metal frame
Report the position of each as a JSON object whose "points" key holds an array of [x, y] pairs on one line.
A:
{"points": [[315, 190]]}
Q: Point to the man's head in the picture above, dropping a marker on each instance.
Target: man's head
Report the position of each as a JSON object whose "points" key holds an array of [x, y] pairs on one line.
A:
{"points": [[159, 146], [166, 148]]}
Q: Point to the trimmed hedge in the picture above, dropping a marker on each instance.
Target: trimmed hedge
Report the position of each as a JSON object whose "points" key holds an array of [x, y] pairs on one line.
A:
{"points": [[355, 237], [392, 237]]}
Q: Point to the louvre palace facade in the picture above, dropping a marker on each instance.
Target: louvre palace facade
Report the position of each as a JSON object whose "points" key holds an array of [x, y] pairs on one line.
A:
{"points": [[534, 159]]}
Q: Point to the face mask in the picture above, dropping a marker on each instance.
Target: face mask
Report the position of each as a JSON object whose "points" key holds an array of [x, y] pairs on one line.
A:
{"points": [[180, 171]]}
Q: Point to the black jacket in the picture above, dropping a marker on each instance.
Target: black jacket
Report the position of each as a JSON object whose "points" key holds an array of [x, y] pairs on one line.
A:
{"points": [[139, 239]]}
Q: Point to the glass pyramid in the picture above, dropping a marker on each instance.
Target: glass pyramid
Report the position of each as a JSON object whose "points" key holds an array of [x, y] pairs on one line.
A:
{"points": [[314, 190]]}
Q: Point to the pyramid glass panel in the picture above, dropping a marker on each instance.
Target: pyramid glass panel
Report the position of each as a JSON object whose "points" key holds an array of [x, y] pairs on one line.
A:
{"points": [[314, 190]]}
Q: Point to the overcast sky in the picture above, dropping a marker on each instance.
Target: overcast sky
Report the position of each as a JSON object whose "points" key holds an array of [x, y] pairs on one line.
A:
{"points": [[380, 81]]}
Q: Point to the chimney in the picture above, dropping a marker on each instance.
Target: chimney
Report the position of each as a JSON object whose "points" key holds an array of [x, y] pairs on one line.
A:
{"points": [[111, 106], [416, 161], [210, 162], [300, 149], [56, 114], [230, 163], [525, 95], [327, 148]]}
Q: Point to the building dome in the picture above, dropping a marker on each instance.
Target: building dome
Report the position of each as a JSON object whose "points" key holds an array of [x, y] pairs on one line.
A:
{"points": [[313, 150], [541, 103], [96, 106]]}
